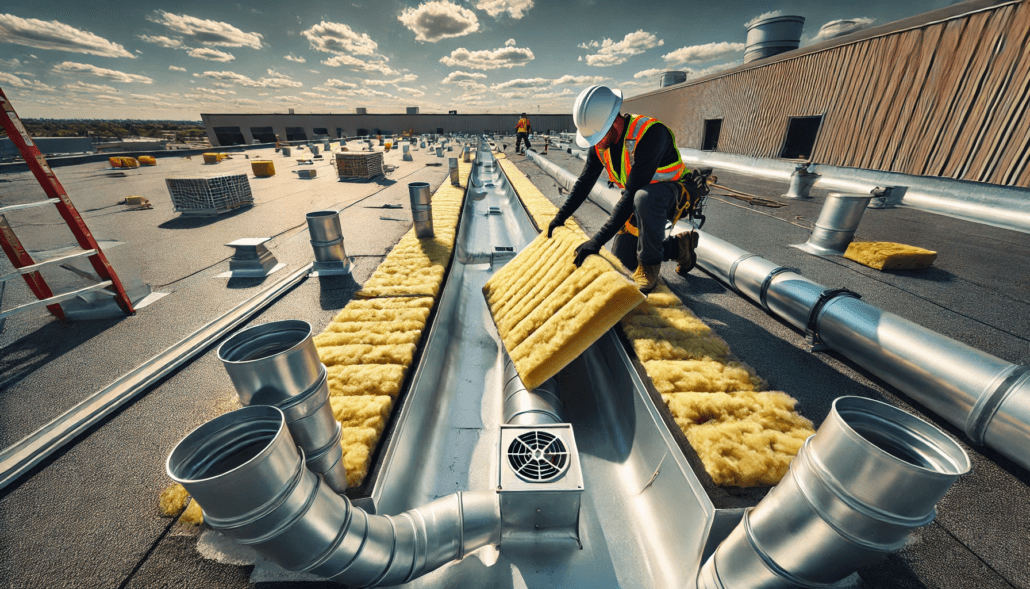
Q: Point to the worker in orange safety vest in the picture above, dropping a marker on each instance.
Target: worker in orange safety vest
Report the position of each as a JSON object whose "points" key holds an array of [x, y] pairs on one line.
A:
{"points": [[641, 157], [522, 130]]}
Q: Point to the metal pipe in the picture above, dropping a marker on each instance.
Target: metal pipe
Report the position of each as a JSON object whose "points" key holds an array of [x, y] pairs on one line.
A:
{"points": [[327, 242], [421, 208], [836, 225], [452, 163], [289, 516], [855, 491], [276, 364], [522, 406], [989, 398]]}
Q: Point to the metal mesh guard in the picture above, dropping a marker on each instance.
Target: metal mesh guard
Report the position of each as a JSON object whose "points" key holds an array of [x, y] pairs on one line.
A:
{"points": [[538, 456]]}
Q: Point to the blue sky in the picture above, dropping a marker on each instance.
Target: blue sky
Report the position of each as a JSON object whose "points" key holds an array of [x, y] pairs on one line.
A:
{"points": [[65, 59]]}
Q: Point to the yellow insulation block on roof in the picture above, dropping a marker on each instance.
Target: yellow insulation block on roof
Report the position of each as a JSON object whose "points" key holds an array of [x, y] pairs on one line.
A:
{"points": [[548, 311], [358, 444], [384, 314], [212, 158], [744, 439], [362, 411], [116, 162], [130, 162], [366, 354], [390, 303], [366, 379], [376, 338], [263, 168], [147, 160], [173, 500], [882, 255], [700, 376]]}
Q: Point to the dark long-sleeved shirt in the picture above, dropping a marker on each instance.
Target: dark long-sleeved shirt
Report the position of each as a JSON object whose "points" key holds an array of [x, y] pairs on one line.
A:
{"points": [[655, 149]]}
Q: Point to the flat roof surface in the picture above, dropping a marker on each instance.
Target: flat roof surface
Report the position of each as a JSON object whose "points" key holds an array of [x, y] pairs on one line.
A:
{"points": [[88, 516]]}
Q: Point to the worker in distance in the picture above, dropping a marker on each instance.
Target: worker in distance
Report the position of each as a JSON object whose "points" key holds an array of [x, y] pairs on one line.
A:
{"points": [[522, 130], [641, 157]]}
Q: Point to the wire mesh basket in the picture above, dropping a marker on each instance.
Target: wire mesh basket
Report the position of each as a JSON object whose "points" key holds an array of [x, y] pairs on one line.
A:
{"points": [[359, 165], [210, 196]]}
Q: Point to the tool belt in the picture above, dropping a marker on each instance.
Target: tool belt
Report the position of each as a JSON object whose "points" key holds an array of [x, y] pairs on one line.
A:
{"points": [[694, 189]]}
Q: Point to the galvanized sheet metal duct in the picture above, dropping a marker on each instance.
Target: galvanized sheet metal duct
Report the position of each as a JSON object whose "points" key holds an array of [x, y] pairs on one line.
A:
{"points": [[522, 406], [858, 487], [989, 398], [291, 517]]}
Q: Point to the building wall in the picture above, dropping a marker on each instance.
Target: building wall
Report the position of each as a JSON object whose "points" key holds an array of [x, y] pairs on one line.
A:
{"points": [[947, 98], [387, 123], [48, 145]]}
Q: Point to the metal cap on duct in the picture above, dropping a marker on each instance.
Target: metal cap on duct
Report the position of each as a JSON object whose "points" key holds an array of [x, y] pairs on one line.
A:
{"points": [[672, 77], [772, 36]]}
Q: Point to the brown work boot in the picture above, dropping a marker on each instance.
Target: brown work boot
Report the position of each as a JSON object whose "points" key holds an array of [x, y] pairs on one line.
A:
{"points": [[646, 277], [686, 242]]}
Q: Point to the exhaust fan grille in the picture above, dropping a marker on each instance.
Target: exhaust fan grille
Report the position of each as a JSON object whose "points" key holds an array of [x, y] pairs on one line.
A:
{"points": [[538, 456]]}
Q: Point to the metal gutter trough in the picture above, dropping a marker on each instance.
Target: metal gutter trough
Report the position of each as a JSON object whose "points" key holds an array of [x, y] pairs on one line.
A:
{"points": [[577, 483]]}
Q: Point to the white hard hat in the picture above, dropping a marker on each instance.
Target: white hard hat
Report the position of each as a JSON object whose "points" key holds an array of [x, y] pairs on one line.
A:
{"points": [[594, 112]]}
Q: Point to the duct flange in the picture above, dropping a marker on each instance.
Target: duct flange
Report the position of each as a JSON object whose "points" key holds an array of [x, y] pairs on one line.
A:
{"points": [[801, 182], [836, 225], [327, 242]]}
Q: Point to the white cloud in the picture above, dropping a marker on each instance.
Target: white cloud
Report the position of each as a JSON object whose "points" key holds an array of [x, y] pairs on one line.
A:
{"points": [[334, 83], [703, 53], [515, 8], [16, 82], [522, 83], [411, 92], [839, 28], [459, 76], [315, 71], [216, 91], [90, 88], [71, 67], [439, 19], [763, 16], [162, 41], [56, 36], [153, 100], [541, 96], [208, 32], [488, 59], [648, 73], [578, 80], [359, 65], [404, 78], [10, 64], [110, 99], [331, 37], [315, 95], [611, 52], [176, 68], [295, 59], [241, 80], [210, 54]]}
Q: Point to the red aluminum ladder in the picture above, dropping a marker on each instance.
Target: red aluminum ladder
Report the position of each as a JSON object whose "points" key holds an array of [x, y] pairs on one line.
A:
{"points": [[23, 262]]}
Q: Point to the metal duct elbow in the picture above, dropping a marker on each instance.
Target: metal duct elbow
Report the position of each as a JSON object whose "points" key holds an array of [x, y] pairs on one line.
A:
{"points": [[246, 472]]}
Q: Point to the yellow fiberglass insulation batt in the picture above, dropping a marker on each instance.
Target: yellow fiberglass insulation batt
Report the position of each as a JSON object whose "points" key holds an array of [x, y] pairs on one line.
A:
{"points": [[370, 344], [882, 255], [548, 311], [743, 437]]}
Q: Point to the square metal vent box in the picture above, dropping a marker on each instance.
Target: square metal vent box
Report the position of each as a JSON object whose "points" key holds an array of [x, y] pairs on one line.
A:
{"points": [[540, 483]]}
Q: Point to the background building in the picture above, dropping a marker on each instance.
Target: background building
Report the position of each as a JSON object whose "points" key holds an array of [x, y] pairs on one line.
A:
{"points": [[236, 129]]}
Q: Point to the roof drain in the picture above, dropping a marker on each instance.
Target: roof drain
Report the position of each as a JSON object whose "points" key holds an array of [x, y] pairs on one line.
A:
{"points": [[858, 487], [289, 516], [969, 388], [276, 364]]}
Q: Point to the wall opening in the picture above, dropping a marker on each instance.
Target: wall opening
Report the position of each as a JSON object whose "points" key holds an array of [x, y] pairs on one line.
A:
{"points": [[800, 139], [296, 134], [339, 132], [439, 130], [263, 134], [320, 132], [229, 136], [362, 133], [710, 140]]}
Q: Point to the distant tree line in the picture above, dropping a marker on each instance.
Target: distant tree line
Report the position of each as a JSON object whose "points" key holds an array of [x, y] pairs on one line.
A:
{"points": [[120, 129]]}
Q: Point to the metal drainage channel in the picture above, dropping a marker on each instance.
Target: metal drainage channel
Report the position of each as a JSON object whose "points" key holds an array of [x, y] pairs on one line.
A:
{"points": [[628, 512]]}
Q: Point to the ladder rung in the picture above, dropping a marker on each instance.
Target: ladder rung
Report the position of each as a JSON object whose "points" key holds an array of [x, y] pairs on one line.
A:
{"points": [[55, 299], [39, 203], [38, 265]]}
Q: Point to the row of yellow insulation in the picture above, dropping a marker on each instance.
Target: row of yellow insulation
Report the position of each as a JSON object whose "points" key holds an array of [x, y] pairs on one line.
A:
{"points": [[743, 436], [370, 344], [882, 255], [263, 168], [123, 162], [147, 160]]}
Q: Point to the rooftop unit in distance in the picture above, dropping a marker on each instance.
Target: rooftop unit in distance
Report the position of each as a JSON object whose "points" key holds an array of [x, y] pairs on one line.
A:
{"points": [[672, 77], [361, 110], [412, 110], [772, 36]]}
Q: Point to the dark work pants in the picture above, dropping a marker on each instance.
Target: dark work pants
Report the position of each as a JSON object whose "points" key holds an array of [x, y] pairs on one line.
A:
{"points": [[519, 138], [653, 205]]}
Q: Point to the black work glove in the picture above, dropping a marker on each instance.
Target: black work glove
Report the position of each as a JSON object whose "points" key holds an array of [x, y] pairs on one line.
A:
{"points": [[556, 222], [587, 248]]}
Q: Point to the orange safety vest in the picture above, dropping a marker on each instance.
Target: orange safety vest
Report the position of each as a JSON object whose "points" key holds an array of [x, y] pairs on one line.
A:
{"points": [[638, 125], [522, 126]]}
